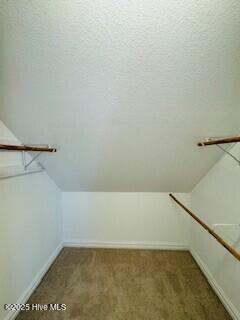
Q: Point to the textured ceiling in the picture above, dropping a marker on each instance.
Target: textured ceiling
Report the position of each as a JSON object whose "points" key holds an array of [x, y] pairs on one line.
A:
{"points": [[124, 89]]}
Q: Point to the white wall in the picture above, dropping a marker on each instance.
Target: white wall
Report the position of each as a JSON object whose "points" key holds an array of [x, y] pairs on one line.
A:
{"points": [[124, 219], [30, 229], [216, 199]]}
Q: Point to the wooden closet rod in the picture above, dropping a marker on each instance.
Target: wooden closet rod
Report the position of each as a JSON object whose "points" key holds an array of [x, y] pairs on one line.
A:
{"points": [[219, 141], [11, 147], [233, 251]]}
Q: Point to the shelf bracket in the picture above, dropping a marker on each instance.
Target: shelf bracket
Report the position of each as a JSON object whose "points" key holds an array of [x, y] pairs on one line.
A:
{"points": [[27, 164], [39, 148], [229, 153]]}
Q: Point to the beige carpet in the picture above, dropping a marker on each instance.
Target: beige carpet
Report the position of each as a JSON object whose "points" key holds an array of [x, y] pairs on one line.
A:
{"points": [[98, 284]]}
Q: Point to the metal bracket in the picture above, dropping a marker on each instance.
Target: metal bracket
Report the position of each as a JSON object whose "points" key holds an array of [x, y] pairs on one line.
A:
{"points": [[229, 153], [25, 164]]}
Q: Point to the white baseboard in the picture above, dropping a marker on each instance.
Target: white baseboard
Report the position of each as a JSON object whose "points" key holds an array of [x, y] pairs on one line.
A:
{"points": [[234, 313], [79, 243], [26, 295]]}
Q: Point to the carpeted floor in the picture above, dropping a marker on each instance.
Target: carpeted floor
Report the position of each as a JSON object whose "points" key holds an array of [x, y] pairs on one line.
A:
{"points": [[98, 284]]}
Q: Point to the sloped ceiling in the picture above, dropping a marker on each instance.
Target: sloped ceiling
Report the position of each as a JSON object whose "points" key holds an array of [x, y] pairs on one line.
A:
{"points": [[124, 89]]}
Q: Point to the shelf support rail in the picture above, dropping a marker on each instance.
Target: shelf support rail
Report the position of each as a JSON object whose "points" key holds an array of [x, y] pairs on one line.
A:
{"points": [[212, 141], [227, 246], [33, 148]]}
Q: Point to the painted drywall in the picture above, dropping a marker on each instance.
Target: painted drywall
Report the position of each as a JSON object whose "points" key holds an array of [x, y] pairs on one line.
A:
{"points": [[125, 89], [30, 229], [123, 220], [216, 199]]}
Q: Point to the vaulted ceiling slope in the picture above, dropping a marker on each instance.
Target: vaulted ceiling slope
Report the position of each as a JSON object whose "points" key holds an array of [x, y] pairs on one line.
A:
{"points": [[124, 89]]}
